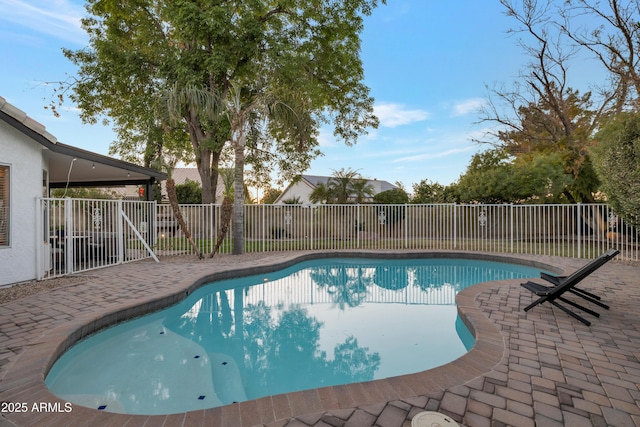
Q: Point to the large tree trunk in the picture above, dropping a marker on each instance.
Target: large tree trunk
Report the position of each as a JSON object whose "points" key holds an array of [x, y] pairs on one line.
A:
{"points": [[207, 164], [207, 160], [173, 201]]}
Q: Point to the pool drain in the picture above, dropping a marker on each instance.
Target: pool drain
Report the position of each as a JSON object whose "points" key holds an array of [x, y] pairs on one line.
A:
{"points": [[432, 419]]}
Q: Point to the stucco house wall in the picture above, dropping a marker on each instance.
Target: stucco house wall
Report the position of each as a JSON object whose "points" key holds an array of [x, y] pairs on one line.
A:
{"points": [[301, 190], [37, 162], [25, 158]]}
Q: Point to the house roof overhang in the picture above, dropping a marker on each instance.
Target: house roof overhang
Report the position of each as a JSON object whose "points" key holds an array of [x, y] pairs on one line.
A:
{"points": [[74, 167]]}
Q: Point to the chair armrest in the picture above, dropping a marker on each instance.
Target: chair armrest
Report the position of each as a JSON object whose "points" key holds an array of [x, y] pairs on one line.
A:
{"points": [[556, 280]]}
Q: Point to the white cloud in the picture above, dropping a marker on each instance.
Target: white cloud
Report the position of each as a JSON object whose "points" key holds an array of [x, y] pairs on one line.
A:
{"points": [[468, 106], [436, 155], [57, 18], [393, 115]]}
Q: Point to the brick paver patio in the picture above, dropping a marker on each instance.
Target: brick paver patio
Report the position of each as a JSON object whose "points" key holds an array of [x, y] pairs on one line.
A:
{"points": [[541, 368]]}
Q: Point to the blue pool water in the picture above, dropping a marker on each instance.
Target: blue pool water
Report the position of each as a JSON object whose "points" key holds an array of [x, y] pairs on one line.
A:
{"points": [[318, 323]]}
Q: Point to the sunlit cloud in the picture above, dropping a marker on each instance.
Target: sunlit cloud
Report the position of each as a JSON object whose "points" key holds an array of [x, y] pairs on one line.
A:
{"points": [[54, 18], [468, 106], [436, 154], [394, 115]]}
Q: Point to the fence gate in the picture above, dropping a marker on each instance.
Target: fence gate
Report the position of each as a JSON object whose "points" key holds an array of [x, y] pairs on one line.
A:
{"points": [[85, 234]]}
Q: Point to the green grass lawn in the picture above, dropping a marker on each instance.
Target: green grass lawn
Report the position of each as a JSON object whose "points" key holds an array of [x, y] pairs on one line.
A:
{"points": [[570, 249]]}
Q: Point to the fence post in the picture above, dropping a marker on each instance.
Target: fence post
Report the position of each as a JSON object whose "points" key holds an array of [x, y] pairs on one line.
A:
{"points": [[263, 221], [579, 225], [358, 226], [69, 231], [311, 227], [455, 226], [43, 245], [212, 225], [153, 224], [511, 229], [406, 226], [119, 232]]}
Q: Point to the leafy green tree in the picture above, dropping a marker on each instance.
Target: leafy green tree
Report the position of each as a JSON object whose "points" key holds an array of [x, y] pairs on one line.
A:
{"points": [[189, 193], [395, 196], [493, 176], [617, 161], [427, 191], [483, 180], [270, 195], [542, 131], [231, 48], [542, 178]]}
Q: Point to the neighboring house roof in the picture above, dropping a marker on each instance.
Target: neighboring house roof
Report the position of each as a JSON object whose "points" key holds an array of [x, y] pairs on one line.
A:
{"points": [[312, 181], [378, 185], [75, 167]]}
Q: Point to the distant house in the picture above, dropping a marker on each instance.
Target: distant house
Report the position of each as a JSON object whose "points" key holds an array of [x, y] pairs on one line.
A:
{"points": [[301, 190], [32, 162]]}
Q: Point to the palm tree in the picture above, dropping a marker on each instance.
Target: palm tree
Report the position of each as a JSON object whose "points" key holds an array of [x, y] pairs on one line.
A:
{"points": [[361, 190], [341, 184], [247, 111], [321, 194]]}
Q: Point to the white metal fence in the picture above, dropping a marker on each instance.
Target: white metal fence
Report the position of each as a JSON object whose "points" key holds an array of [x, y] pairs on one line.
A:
{"points": [[82, 234], [94, 233]]}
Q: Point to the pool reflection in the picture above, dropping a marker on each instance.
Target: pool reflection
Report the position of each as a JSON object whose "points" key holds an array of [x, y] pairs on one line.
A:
{"points": [[319, 323]]}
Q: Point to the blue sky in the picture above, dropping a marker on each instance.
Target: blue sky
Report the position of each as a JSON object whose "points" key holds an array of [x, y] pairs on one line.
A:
{"points": [[426, 61]]}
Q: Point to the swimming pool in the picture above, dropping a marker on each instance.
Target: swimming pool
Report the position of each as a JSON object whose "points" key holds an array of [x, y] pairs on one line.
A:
{"points": [[333, 321]]}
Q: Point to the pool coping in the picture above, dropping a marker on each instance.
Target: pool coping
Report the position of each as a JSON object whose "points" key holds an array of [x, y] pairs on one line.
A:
{"points": [[24, 382]]}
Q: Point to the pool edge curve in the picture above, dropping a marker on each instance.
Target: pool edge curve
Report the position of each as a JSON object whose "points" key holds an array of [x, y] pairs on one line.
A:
{"points": [[25, 379]]}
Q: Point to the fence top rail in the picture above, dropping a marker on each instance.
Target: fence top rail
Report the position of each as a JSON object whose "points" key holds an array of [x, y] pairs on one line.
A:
{"points": [[474, 205], [315, 206], [75, 199]]}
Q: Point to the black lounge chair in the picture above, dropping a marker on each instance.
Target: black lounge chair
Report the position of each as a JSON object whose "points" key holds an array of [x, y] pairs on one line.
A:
{"points": [[584, 270], [562, 284]]}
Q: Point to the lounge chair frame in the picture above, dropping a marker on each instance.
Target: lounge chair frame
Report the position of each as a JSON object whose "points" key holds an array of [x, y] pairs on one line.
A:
{"points": [[562, 284]]}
